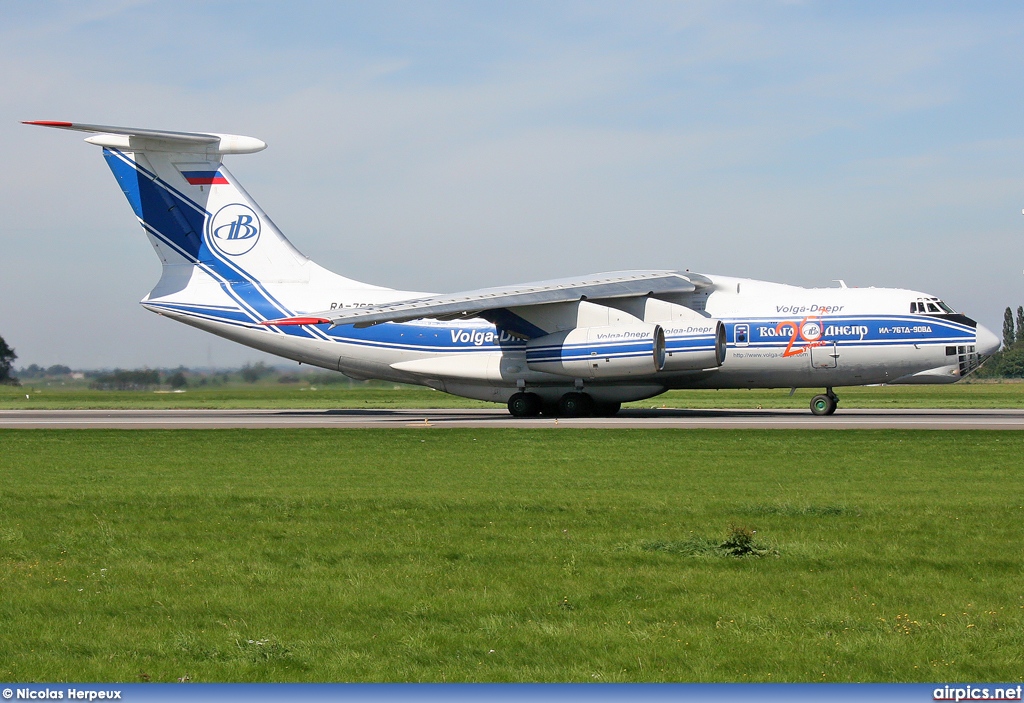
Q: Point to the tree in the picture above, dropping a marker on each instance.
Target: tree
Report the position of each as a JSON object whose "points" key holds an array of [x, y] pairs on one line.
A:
{"points": [[33, 371], [1008, 336], [1011, 363], [7, 357], [119, 380], [254, 372], [1020, 323]]}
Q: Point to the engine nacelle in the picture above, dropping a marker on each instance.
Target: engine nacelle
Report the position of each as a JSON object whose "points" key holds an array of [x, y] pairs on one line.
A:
{"points": [[692, 345], [599, 352]]}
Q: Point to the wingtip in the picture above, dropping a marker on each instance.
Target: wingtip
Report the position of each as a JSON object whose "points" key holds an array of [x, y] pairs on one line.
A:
{"points": [[48, 123]]}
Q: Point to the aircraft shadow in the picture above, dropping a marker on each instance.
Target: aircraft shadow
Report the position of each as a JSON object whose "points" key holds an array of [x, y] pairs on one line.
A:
{"points": [[413, 414]]}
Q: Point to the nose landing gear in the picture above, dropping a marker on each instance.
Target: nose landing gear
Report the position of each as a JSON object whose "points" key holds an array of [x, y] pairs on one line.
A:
{"points": [[824, 404]]}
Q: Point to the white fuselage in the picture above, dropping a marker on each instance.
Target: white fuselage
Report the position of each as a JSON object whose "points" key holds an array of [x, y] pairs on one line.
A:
{"points": [[777, 336]]}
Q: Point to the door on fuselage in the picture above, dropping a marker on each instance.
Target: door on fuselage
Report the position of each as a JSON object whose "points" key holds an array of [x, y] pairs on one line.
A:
{"points": [[825, 356]]}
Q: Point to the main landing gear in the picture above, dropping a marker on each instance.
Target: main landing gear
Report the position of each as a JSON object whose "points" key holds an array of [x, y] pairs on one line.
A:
{"points": [[569, 405], [524, 405], [824, 404]]}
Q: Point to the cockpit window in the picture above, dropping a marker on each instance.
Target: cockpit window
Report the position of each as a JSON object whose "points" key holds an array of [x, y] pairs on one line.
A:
{"points": [[926, 306]]}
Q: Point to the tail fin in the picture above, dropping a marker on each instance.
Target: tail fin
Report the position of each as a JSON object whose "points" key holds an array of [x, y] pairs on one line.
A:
{"points": [[192, 208], [197, 216]]}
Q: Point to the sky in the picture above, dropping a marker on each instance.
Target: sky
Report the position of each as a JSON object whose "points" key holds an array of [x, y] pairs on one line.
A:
{"points": [[445, 146]]}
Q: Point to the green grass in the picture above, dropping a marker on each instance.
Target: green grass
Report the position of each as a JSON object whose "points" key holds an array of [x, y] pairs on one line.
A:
{"points": [[510, 555], [233, 397], [961, 395]]}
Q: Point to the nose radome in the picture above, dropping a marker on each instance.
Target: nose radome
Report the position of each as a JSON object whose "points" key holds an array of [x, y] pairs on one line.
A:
{"points": [[987, 343]]}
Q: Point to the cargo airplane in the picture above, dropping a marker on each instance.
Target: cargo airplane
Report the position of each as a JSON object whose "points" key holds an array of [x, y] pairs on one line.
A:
{"points": [[570, 347]]}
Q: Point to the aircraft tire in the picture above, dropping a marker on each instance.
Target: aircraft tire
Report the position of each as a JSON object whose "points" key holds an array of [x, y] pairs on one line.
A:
{"points": [[606, 409], [823, 404], [524, 405], [575, 405]]}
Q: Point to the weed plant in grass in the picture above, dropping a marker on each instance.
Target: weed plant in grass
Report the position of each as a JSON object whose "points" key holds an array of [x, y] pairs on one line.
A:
{"points": [[510, 555]]}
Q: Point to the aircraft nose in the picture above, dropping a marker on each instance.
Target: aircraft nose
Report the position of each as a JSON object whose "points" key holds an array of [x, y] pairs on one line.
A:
{"points": [[987, 343]]}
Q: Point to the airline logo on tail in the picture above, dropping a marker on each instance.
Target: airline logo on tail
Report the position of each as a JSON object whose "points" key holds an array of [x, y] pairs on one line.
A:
{"points": [[234, 230]]}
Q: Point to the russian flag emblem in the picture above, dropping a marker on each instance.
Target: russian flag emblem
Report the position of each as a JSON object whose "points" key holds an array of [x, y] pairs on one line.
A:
{"points": [[204, 178]]}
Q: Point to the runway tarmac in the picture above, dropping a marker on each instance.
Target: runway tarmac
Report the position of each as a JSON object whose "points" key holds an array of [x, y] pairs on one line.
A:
{"points": [[427, 419]]}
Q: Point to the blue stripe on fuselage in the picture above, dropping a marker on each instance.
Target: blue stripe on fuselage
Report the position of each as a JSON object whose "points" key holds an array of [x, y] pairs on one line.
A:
{"points": [[217, 313], [853, 329]]}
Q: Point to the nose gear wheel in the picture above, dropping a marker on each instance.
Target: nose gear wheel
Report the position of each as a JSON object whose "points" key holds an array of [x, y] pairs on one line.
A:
{"points": [[825, 403]]}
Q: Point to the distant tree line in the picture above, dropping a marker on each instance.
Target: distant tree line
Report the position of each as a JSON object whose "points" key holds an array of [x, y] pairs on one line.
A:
{"points": [[179, 378], [254, 372], [1008, 362], [130, 380], [35, 371]]}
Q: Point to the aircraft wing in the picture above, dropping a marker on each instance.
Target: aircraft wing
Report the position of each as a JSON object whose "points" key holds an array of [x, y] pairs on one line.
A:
{"points": [[616, 284]]}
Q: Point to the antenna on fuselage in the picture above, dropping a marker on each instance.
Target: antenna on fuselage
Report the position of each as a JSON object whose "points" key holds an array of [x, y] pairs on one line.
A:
{"points": [[841, 282]]}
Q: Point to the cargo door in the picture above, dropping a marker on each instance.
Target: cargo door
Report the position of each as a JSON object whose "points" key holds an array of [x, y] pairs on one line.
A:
{"points": [[825, 356]]}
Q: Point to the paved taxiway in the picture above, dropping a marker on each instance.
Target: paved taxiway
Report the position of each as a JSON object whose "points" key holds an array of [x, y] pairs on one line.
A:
{"points": [[632, 418]]}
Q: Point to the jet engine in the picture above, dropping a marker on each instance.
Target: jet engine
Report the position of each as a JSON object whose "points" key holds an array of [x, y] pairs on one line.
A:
{"points": [[599, 352], [693, 345]]}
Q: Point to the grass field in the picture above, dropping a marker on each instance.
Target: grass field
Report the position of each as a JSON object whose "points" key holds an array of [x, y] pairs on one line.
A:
{"points": [[509, 555], [973, 395]]}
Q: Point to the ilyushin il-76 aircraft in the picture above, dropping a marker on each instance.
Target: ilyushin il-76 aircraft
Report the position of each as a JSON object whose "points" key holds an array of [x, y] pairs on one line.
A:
{"points": [[569, 347]]}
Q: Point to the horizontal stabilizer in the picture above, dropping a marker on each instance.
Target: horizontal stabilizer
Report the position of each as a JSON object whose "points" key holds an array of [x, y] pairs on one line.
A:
{"points": [[123, 137], [290, 321]]}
